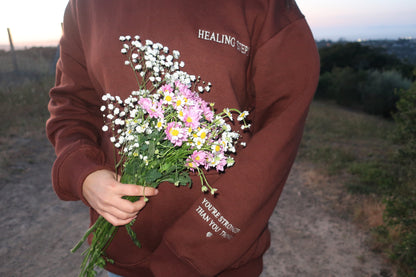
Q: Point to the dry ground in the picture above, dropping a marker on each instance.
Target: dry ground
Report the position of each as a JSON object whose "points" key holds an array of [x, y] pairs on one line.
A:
{"points": [[312, 236]]}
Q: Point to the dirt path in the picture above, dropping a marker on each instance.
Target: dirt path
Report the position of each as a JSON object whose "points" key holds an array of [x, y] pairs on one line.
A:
{"points": [[310, 237], [37, 229]]}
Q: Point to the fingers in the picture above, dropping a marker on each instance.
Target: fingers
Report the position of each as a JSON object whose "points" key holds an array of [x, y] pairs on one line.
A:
{"points": [[115, 220], [105, 194], [122, 211], [134, 190]]}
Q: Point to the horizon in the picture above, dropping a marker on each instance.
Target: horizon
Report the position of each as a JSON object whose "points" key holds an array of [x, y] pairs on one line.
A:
{"points": [[332, 34], [348, 20], [348, 35]]}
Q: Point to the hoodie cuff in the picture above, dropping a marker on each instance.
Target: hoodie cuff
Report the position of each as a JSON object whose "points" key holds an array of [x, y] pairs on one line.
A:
{"points": [[164, 262], [70, 171]]}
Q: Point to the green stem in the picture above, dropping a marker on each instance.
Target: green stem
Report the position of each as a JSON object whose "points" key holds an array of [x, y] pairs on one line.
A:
{"points": [[103, 233], [87, 233]]}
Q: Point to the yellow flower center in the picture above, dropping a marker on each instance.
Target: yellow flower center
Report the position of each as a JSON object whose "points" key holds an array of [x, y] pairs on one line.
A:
{"points": [[174, 132]]}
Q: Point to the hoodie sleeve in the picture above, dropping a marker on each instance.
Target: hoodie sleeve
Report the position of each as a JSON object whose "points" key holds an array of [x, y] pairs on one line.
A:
{"points": [[75, 121], [226, 231]]}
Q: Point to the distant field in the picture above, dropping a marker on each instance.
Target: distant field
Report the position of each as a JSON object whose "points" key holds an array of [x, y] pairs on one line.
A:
{"points": [[33, 61], [24, 92]]}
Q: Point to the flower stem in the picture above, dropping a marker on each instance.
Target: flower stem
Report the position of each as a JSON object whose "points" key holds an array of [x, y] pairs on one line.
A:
{"points": [[87, 233], [103, 232]]}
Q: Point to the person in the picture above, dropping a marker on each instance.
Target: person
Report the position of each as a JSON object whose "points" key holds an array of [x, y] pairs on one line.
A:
{"points": [[259, 55]]}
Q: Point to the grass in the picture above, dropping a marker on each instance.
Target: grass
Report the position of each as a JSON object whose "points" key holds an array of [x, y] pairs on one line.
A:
{"points": [[356, 151], [36, 60], [351, 145], [24, 106], [346, 142], [24, 99], [24, 94], [22, 124]]}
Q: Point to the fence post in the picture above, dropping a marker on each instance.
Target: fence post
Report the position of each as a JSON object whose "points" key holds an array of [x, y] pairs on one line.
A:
{"points": [[16, 68]]}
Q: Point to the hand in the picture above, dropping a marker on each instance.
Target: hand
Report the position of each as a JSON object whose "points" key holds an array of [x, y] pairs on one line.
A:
{"points": [[104, 193]]}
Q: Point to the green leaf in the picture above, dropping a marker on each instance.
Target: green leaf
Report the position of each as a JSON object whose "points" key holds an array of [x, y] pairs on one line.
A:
{"points": [[152, 175], [151, 150], [179, 179], [132, 234], [167, 167], [185, 179]]}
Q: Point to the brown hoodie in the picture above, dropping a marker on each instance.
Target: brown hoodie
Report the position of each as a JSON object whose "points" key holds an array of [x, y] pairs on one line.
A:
{"points": [[258, 54]]}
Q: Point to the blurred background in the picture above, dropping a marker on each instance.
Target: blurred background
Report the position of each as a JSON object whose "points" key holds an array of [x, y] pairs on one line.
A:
{"points": [[355, 170], [38, 23]]}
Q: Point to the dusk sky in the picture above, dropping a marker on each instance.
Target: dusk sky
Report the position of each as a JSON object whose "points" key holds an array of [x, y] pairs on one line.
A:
{"points": [[39, 22]]}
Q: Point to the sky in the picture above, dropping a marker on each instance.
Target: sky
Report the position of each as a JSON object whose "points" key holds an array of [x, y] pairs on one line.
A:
{"points": [[38, 23]]}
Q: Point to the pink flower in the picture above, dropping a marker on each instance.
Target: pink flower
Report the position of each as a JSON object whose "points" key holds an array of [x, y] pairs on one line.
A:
{"points": [[199, 157], [180, 86], [191, 117], [175, 133], [166, 88], [185, 91], [156, 111], [209, 160], [222, 162], [207, 111], [153, 109], [218, 160], [145, 103]]}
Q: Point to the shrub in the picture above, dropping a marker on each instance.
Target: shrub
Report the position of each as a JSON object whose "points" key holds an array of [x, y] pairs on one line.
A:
{"points": [[401, 205], [401, 213], [379, 95], [405, 133], [324, 90], [347, 86]]}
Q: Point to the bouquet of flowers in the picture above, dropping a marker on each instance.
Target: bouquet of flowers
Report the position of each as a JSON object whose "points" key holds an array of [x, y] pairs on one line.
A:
{"points": [[162, 132]]}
